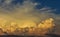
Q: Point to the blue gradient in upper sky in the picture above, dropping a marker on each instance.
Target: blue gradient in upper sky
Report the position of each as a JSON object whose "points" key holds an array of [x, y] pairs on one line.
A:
{"points": [[55, 4]]}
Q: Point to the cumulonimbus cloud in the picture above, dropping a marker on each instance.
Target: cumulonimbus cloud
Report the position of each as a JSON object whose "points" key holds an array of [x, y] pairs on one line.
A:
{"points": [[26, 12]]}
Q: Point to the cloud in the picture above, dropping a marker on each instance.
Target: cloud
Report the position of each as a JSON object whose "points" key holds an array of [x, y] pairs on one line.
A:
{"points": [[26, 13]]}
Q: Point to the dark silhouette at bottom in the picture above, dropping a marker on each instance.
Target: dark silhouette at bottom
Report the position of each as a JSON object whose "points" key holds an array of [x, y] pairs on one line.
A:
{"points": [[53, 35], [47, 35]]}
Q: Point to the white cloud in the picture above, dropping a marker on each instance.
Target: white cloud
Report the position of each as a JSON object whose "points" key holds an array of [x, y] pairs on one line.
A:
{"points": [[8, 1]]}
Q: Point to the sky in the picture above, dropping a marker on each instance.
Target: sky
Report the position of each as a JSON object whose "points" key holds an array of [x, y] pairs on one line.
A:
{"points": [[55, 4], [31, 11], [51, 3]]}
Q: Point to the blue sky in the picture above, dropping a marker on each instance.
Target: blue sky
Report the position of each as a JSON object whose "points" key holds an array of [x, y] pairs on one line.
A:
{"points": [[54, 4]]}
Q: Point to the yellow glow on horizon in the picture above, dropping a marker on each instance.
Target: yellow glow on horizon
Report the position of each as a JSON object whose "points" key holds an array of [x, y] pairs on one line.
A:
{"points": [[12, 25]]}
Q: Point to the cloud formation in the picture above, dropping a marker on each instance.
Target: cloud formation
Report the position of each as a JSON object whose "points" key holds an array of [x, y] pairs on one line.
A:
{"points": [[26, 13]]}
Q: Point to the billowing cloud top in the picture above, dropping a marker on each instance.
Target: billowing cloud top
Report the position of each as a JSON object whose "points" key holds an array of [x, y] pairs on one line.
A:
{"points": [[25, 12]]}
